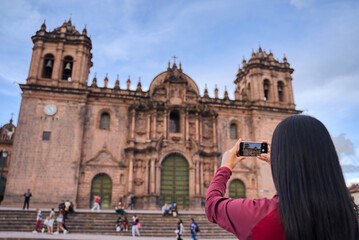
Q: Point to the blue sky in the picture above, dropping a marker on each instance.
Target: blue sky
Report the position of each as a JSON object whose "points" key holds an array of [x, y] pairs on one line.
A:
{"points": [[210, 38]]}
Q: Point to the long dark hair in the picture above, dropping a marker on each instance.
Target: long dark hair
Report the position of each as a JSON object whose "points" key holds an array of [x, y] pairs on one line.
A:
{"points": [[313, 199]]}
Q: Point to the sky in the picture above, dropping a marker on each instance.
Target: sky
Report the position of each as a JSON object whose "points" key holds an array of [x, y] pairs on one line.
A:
{"points": [[137, 38]]}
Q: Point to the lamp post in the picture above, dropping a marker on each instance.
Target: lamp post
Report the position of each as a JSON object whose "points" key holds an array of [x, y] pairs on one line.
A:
{"points": [[3, 159]]}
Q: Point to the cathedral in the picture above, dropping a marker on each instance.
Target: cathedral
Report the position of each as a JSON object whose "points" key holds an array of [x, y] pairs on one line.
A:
{"points": [[74, 140]]}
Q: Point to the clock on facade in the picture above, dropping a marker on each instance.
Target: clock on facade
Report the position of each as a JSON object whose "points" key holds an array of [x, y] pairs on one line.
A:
{"points": [[50, 109]]}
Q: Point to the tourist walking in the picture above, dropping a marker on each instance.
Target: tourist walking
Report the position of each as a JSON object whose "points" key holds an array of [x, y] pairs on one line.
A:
{"points": [[194, 229], [27, 196], [96, 203], [60, 222], [179, 230], [312, 200], [64, 220], [135, 226], [50, 224], [38, 220]]}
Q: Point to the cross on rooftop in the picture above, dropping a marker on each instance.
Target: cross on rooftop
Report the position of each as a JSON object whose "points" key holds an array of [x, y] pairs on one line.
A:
{"points": [[174, 59]]}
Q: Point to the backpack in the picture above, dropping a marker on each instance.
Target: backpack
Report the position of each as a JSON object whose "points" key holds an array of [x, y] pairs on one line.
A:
{"points": [[197, 228]]}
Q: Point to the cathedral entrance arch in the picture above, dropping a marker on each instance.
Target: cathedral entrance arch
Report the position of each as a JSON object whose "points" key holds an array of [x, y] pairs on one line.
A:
{"points": [[175, 181], [102, 187], [237, 189]]}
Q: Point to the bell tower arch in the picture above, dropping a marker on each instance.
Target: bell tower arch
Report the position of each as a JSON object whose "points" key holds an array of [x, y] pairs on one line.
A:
{"points": [[265, 81], [61, 57]]}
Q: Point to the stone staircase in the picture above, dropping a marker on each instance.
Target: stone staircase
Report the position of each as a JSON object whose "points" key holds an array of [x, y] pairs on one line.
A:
{"points": [[85, 222]]}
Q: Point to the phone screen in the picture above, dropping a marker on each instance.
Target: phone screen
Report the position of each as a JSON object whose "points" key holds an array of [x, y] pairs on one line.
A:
{"points": [[252, 149]]}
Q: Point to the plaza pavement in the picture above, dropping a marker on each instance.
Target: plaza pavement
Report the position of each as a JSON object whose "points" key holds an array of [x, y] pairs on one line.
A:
{"points": [[75, 236]]}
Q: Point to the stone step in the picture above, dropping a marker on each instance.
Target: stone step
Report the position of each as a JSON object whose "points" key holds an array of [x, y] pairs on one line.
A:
{"points": [[152, 224]]}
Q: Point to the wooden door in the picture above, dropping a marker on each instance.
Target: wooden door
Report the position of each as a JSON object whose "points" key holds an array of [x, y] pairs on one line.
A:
{"points": [[102, 187], [237, 189], [175, 181]]}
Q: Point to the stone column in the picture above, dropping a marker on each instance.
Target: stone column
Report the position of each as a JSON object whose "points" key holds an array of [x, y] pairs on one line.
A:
{"points": [[146, 177], [57, 69], [158, 180], [201, 174], [165, 132], [197, 127], [290, 91], [214, 128], [192, 180], [215, 167], [187, 128], [149, 126], [130, 175], [37, 62], [133, 111], [274, 89], [200, 129], [153, 176], [197, 178], [154, 119]]}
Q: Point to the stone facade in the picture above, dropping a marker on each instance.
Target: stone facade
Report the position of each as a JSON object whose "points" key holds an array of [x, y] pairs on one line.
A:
{"points": [[69, 132]]}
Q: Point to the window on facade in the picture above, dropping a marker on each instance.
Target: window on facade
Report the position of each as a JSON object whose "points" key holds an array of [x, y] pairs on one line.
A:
{"points": [[46, 136], [105, 121], [174, 122], [280, 91], [266, 89], [48, 66], [233, 131], [67, 68]]}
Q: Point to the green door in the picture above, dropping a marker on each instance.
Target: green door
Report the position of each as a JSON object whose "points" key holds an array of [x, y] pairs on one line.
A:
{"points": [[237, 189], [102, 187], [175, 181]]}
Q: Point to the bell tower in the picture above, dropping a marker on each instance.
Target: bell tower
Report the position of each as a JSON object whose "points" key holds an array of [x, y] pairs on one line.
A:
{"points": [[265, 81], [60, 58]]}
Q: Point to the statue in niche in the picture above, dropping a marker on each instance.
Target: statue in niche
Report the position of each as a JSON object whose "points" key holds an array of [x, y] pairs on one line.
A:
{"points": [[207, 129], [141, 125]]}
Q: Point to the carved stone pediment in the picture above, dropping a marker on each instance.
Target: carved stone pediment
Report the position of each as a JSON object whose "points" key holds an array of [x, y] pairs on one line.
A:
{"points": [[103, 158]]}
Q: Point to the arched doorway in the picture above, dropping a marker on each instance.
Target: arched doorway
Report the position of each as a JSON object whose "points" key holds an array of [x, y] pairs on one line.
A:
{"points": [[102, 187], [175, 181], [237, 189]]}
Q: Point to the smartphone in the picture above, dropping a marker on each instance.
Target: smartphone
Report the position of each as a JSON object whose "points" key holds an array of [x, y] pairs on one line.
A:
{"points": [[252, 149]]}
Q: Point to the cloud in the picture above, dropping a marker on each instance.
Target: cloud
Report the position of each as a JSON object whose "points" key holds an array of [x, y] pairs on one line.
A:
{"points": [[343, 145], [348, 155]]}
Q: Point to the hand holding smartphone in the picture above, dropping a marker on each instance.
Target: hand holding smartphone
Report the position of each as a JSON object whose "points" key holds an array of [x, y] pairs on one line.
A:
{"points": [[252, 149]]}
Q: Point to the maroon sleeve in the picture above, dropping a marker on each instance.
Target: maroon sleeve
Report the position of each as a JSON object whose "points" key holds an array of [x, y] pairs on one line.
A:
{"points": [[238, 216]]}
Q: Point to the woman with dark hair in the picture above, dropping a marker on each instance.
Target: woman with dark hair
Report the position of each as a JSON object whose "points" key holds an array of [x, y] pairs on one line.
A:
{"points": [[312, 201]]}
